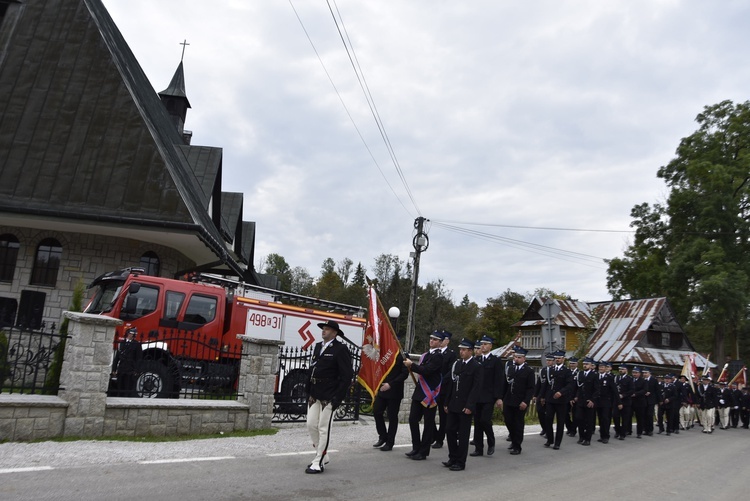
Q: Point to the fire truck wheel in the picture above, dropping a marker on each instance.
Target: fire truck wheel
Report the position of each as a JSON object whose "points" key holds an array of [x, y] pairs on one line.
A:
{"points": [[154, 380], [293, 392]]}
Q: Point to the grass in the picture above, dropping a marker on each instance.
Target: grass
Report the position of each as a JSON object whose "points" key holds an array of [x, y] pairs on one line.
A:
{"points": [[170, 438]]}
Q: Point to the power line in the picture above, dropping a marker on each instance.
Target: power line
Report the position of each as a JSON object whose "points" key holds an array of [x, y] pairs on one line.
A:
{"points": [[544, 250], [354, 61], [498, 225]]}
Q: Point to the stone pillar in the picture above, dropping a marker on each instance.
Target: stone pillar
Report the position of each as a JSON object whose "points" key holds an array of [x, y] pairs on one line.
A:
{"points": [[258, 367], [85, 372]]}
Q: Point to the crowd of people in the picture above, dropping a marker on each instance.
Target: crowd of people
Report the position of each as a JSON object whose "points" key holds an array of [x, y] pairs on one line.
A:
{"points": [[587, 403], [457, 392]]}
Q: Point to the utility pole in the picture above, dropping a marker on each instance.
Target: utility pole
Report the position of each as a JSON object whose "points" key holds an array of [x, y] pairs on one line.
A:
{"points": [[420, 242]]}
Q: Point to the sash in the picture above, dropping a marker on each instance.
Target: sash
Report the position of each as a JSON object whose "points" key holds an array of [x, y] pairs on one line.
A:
{"points": [[430, 399]]}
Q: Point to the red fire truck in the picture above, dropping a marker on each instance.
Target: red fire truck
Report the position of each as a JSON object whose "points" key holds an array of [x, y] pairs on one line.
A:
{"points": [[188, 329]]}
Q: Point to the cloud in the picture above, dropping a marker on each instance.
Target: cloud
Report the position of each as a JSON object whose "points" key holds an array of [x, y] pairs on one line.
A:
{"points": [[542, 113]]}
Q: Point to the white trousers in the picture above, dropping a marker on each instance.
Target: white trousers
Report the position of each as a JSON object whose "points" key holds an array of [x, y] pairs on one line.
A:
{"points": [[319, 426], [724, 417], [707, 419], [686, 416]]}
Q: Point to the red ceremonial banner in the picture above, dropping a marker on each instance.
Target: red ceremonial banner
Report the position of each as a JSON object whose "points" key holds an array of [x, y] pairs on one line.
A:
{"points": [[379, 347]]}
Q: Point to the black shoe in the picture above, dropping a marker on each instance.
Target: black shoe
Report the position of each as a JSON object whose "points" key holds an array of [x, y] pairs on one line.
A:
{"points": [[418, 457], [511, 447], [507, 439], [541, 434], [379, 443], [448, 463], [617, 436], [490, 450], [515, 452], [311, 471], [580, 441], [438, 444], [547, 444], [456, 467], [650, 434], [556, 447], [604, 440], [471, 442], [622, 438], [586, 442], [476, 453], [638, 436], [571, 434], [386, 448], [411, 452]]}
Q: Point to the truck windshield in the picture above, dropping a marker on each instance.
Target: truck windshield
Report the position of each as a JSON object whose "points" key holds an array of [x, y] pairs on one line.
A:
{"points": [[104, 298]]}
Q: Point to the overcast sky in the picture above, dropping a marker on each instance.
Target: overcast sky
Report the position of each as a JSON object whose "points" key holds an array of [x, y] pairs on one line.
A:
{"points": [[538, 114]]}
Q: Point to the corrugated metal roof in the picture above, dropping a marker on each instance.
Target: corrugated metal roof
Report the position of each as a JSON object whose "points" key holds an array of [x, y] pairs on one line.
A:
{"points": [[573, 314], [620, 329]]}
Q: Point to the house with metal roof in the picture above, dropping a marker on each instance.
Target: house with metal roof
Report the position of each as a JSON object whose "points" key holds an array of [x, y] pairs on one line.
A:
{"points": [[636, 331], [96, 170]]}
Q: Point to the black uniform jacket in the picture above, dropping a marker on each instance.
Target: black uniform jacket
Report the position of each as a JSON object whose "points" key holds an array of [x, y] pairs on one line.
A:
{"points": [[608, 395], [449, 356], [560, 380], [588, 388], [493, 379], [624, 387], [464, 385], [395, 378], [652, 387], [331, 372], [520, 388], [429, 370], [639, 392], [708, 397], [127, 357]]}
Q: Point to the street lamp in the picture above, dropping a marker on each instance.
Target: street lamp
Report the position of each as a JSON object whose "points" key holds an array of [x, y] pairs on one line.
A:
{"points": [[394, 313]]}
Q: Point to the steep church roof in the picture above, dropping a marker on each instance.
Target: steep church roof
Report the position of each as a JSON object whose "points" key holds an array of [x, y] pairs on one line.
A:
{"points": [[84, 137]]}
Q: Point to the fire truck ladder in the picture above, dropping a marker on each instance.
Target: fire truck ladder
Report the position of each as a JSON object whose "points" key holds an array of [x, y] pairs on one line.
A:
{"points": [[242, 289]]}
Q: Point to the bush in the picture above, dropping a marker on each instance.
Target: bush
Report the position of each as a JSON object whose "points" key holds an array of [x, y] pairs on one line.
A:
{"points": [[4, 365], [52, 379]]}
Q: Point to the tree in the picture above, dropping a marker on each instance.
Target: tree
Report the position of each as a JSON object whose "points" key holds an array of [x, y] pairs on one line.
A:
{"points": [[302, 282], [275, 264], [693, 249], [500, 313]]}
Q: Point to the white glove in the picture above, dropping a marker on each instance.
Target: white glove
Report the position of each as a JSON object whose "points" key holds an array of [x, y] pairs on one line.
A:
{"points": [[721, 401]]}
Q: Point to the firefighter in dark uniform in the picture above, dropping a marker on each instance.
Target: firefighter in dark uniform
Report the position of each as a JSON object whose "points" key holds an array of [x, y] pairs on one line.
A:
{"points": [[639, 402], [570, 419], [424, 399], [330, 377], [623, 416], [388, 401], [490, 396], [560, 390], [540, 389], [464, 385], [671, 401], [745, 408], [652, 398], [586, 399], [609, 399], [449, 356], [125, 364], [518, 395], [734, 413]]}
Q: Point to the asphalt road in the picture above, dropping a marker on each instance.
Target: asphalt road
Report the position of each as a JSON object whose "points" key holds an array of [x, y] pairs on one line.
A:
{"points": [[688, 466]]}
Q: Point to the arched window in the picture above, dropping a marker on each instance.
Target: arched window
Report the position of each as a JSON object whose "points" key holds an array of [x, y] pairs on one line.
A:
{"points": [[8, 256], [47, 263], [150, 262]]}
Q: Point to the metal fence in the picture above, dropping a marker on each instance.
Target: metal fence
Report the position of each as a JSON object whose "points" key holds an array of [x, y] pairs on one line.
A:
{"points": [[27, 360], [290, 396], [178, 363]]}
